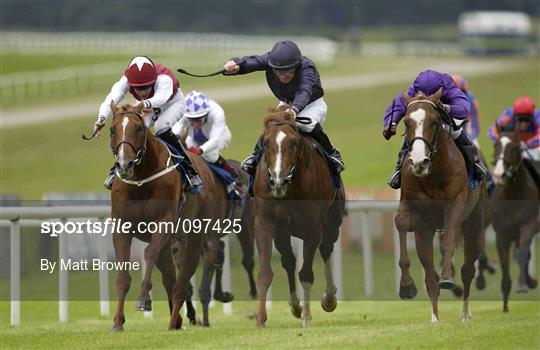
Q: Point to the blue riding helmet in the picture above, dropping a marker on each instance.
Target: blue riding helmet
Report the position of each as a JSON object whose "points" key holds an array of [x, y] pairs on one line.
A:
{"points": [[284, 55]]}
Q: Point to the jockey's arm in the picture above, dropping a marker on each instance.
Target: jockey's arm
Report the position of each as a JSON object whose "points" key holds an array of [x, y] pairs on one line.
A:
{"points": [[118, 91], [181, 127], [250, 64], [460, 106], [218, 128], [163, 90], [308, 80]]}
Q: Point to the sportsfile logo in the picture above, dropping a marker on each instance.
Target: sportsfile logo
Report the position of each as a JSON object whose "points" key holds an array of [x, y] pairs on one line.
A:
{"points": [[101, 228]]}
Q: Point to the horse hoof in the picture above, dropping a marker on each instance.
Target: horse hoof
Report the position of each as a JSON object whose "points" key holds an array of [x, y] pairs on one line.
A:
{"points": [[480, 283], [206, 324], [260, 325], [224, 297], [532, 283], [465, 318], [296, 311], [254, 296], [447, 283], [117, 329], [458, 291], [143, 305], [505, 308], [407, 292], [329, 304], [522, 288]]}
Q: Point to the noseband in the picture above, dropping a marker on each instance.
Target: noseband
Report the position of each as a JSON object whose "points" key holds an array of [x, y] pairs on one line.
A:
{"points": [[432, 146], [139, 153]]}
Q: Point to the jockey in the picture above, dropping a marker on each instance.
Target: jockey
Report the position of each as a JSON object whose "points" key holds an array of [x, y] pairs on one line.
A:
{"points": [[528, 124], [295, 81], [157, 87], [453, 101], [206, 129], [473, 127]]}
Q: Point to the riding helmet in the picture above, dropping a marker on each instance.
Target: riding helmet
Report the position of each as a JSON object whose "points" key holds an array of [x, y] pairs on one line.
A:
{"points": [[284, 55], [141, 71], [197, 105]]}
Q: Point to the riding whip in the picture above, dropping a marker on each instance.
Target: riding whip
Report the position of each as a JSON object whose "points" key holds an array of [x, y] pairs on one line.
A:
{"points": [[183, 71]]}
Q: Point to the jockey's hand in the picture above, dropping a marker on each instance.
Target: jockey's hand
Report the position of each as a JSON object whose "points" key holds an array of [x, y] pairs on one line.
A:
{"points": [[231, 67], [98, 125], [292, 110], [445, 108], [389, 131], [195, 150]]}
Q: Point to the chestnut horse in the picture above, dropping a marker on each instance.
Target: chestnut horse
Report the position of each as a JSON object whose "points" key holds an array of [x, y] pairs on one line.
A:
{"points": [[515, 207], [435, 196], [294, 195], [148, 188]]}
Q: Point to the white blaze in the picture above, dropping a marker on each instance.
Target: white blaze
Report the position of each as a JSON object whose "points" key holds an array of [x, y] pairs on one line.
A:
{"points": [[125, 122], [499, 166], [279, 139], [418, 151]]}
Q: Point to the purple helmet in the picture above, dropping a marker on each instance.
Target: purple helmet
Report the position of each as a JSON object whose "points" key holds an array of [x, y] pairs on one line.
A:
{"points": [[429, 81]]}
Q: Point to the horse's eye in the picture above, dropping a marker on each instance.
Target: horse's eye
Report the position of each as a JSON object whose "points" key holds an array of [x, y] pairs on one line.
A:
{"points": [[140, 129], [112, 131]]}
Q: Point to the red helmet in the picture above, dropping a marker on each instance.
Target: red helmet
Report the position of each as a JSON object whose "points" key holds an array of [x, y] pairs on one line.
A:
{"points": [[523, 106], [461, 82], [141, 71]]}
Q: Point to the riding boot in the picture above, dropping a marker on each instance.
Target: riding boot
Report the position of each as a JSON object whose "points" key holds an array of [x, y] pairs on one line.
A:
{"points": [[195, 181], [320, 136], [395, 179], [109, 179], [470, 153], [250, 163], [222, 163]]}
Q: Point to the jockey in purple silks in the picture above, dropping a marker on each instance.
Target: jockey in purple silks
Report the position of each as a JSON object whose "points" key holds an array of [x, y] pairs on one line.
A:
{"points": [[453, 101]]}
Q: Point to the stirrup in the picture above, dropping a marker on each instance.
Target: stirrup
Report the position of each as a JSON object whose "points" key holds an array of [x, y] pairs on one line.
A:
{"points": [[338, 164], [109, 181], [249, 164], [480, 171], [195, 184], [395, 180]]}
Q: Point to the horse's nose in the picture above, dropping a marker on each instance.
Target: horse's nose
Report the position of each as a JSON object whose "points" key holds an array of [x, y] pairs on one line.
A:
{"points": [[272, 182], [411, 161], [425, 162]]}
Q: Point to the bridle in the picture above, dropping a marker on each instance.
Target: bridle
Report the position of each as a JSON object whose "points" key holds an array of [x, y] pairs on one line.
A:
{"points": [[433, 144], [138, 153], [511, 170], [289, 176]]}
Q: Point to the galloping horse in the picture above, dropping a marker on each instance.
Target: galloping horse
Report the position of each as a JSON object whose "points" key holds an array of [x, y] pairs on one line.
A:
{"points": [[294, 195], [515, 208], [435, 196], [148, 188]]}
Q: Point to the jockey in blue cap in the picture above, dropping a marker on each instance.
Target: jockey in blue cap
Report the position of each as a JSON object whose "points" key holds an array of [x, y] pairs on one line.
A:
{"points": [[295, 82], [453, 102]]}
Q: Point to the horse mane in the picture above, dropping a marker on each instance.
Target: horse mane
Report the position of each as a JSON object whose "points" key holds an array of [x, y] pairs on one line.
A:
{"points": [[276, 115]]}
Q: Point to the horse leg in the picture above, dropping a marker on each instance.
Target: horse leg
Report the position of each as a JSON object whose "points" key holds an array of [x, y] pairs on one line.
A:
{"points": [[245, 237], [503, 249], [424, 250], [166, 267], [526, 234], [452, 224], [122, 247], [407, 287], [190, 309], [306, 276], [472, 245], [188, 261], [151, 253], [329, 300], [288, 262], [456, 289], [219, 294], [482, 266], [205, 289], [532, 283], [263, 238]]}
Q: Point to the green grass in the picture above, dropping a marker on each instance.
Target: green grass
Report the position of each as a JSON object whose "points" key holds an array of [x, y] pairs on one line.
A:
{"points": [[52, 157], [373, 325]]}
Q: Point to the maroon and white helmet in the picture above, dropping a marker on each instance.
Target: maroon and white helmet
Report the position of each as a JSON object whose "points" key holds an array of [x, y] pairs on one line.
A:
{"points": [[141, 71]]}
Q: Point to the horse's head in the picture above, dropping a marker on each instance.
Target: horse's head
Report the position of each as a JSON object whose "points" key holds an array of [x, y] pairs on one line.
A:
{"points": [[422, 127], [281, 141], [507, 156], [128, 137]]}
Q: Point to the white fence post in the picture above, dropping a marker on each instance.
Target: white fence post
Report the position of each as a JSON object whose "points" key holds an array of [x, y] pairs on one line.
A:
{"points": [[15, 271], [103, 275], [62, 278], [367, 254]]}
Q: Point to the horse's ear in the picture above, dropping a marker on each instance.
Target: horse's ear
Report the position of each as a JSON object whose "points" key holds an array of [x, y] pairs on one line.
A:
{"points": [[437, 95], [139, 107], [406, 98], [284, 107], [114, 108]]}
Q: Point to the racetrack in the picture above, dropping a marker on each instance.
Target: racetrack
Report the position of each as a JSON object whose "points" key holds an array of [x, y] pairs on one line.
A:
{"points": [[19, 118]]}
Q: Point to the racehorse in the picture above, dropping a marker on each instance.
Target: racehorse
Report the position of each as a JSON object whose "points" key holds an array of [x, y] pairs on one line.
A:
{"points": [[140, 156], [515, 207], [149, 189], [435, 196], [294, 195]]}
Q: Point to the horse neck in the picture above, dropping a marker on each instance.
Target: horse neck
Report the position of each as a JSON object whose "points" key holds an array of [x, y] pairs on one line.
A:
{"points": [[150, 162], [440, 160], [516, 185]]}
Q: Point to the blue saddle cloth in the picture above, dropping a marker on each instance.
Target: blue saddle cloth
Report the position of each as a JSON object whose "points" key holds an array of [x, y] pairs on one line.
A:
{"points": [[228, 180], [473, 183], [178, 159]]}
